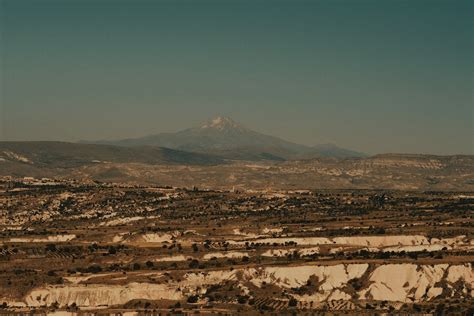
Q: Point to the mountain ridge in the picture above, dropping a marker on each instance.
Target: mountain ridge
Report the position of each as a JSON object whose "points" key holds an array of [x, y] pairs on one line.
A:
{"points": [[224, 137], [65, 155], [163, 166]]}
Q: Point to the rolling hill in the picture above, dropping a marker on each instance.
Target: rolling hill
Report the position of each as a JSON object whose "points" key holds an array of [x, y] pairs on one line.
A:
{"points": [[68, 155]]}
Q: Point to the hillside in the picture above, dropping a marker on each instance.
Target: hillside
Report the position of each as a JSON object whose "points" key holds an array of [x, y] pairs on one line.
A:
{"points": [[70, 155]]}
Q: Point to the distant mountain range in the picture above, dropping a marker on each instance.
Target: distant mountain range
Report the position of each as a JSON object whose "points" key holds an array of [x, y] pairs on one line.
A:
{"points": [[164, 166], [69, 155], [225, 138]]}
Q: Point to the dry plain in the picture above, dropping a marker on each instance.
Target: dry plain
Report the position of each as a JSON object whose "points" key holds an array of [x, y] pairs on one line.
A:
{"points": [[87, 246]]}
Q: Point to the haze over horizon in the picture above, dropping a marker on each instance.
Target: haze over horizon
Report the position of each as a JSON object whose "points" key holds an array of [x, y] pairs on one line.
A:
{"points": [[373, 76]]}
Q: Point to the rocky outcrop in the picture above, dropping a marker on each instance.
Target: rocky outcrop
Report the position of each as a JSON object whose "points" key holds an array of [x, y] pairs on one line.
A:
{"points": [[389, 282], [100, 295]]}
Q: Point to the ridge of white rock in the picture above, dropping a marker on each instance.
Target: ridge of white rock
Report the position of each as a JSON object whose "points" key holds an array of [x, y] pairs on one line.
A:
{"points": [[411, 282], [391, 282], [94, 295], [173, 258], [52, 238]]}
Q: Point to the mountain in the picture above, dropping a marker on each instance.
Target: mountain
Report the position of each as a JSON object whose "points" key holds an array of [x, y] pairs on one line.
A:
{"points": [[163, 166], [331, 150], [224, 137], [49, 154]]}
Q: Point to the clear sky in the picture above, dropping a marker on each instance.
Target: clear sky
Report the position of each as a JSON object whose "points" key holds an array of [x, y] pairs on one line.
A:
{"points": [[375, 76]]}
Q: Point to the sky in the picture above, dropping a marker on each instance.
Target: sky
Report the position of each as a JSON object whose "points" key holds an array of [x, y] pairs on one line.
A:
{"points": [[375, 76]]}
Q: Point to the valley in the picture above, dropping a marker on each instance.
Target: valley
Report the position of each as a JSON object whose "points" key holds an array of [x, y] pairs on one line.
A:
{"points": [[76, 247], [220, 219]]}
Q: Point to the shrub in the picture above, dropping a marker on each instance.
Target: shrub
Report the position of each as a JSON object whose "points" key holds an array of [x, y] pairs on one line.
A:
{"points": [[50, 247], [194, 264], [242, 299], [193, 299], [293, 302], [94, 269], [149, 264]]}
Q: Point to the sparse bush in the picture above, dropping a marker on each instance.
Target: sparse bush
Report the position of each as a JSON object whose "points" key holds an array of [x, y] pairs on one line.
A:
{"points": [[149, 264], [293, 302], [94, 269], [193, 264], [51, 247], [355, 283], [380, 231], [193, 299], [112, 250], [242, 299]]}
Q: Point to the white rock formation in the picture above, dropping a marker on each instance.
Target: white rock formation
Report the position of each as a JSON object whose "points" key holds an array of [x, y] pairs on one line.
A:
{"points": [[391, 282], [100, 295], [54, 238]]}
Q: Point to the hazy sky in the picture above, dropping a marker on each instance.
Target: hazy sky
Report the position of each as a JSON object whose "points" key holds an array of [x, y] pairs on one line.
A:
{"points": [[375, 76]]}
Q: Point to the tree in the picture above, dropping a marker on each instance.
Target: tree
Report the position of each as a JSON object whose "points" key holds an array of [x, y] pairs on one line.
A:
{"points": [[112, 250], [51, 247], [413, 255], [94, 269], [440, 308], [193, 299], [242, 299], [193, 264], [149, 264], [293, 302]]}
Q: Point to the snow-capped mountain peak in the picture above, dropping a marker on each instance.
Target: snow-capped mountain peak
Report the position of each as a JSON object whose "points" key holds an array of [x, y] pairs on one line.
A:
{"points": [[226, 138], [221, 123]]}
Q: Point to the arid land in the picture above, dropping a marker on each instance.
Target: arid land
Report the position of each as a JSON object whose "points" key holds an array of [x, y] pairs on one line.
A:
{"points": [[89, 246]]}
